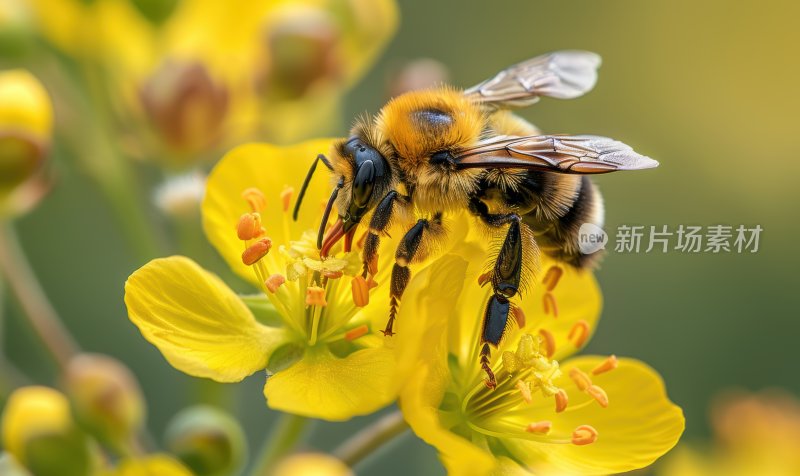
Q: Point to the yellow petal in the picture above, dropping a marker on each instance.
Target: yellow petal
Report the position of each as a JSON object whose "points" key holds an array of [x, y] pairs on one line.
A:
{"points": [[419, 401], [200, 326], [270, 169], [153, 465], [321, 385], [639, 425]]}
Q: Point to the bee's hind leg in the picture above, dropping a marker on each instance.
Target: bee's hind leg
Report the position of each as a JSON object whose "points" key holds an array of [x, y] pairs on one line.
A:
{"points": [[415, 245]]}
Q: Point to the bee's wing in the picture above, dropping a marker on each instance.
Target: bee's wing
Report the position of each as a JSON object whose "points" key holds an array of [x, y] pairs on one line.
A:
{"points": [[582, 154], [562, 75]]}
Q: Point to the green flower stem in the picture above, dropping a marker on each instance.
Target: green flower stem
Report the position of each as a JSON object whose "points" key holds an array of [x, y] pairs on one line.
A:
{"points": [[24, 285], [286, 434], [366, 441]]}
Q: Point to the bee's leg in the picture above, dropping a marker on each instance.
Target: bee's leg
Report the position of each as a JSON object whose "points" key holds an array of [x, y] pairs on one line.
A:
{"points": [[506, 279], [378, 225], [412, 248]]}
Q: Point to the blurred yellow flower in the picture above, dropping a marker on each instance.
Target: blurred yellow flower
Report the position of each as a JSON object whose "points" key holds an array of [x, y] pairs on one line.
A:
{"points": [[584, 415], [311, 464], [318, 345], [213, 74], [26, 122], [38, 431], [151, 465], [754, 434]]}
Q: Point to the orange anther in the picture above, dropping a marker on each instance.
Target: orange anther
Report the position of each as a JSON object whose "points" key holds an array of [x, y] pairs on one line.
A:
{"points": [[609, 364], [598, 394], [274, 282], [372, 265], [580, 378], [372, 283], [360, 289], [542, 427], [551, 277], [525, 389], [256, 251], [549, 342], [519, 316], [249, 226], [356, 332], [579, 333], [550, 304], [484, 278], [562, 399], [332, 274], [255, 198], [286, 198], [584, 435], [315, 296]]}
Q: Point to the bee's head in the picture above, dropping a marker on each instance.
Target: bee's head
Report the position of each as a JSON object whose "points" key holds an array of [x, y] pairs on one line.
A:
{"points": [[363, 177]]}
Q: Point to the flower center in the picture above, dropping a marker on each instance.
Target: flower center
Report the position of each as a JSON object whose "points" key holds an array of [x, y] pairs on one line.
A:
{"points": [[305, 288]]}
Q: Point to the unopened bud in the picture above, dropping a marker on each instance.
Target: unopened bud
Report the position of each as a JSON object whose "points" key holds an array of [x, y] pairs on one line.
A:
{"points": [[26, 121], [207, 440], [106, 397], [186, 107], [39, 433], [302, 51]]}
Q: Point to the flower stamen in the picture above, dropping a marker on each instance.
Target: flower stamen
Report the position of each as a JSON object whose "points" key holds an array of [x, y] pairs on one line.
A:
{"points": [[286, 198], [605, 366], [255, 198], [360, 289], [256, 251], [249, 226], [274, 282], [549, 342], [562, 399], [552, 277], [579, 333], [519, 316], [541, 427], [582, 381], [525, 389], [315, 296], [550, 304], [584, 435], [598, 394], [356, 332]]}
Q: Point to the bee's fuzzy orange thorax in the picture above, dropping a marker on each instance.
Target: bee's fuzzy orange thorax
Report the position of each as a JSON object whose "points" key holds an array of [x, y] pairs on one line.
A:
{"points": [[410, 123]]}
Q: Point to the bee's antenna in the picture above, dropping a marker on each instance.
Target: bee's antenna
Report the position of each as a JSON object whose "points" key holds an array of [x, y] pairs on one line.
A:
{"points": [[327, 213], [306, 182]]}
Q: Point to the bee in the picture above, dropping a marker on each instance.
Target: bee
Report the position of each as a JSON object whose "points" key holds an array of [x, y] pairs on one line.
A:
{"points": [[431, 154]]}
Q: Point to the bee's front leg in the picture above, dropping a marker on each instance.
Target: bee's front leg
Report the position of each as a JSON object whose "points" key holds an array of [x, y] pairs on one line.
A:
{"points": [[416, 244], [380, 222]]}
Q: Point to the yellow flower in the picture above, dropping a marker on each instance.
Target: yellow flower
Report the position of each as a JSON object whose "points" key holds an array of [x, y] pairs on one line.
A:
{"points": [[754, 434], [38, 431], [323, 353], [26, 122], [311, 464], [151, 465], [584, 415]]}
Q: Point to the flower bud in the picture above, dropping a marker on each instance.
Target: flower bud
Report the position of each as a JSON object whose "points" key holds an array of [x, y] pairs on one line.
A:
{"points": [[26, 121], [151, 465], [301, 50], [311, 464], [207, 440], [106, 398], [186, 107], [38, 431]]}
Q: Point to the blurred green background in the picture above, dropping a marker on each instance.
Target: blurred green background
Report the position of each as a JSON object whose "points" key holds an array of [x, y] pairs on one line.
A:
{"points": [[710, 89]]}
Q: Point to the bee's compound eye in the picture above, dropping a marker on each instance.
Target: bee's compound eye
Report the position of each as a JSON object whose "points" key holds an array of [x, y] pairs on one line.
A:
{"points": [[363, 183]]}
